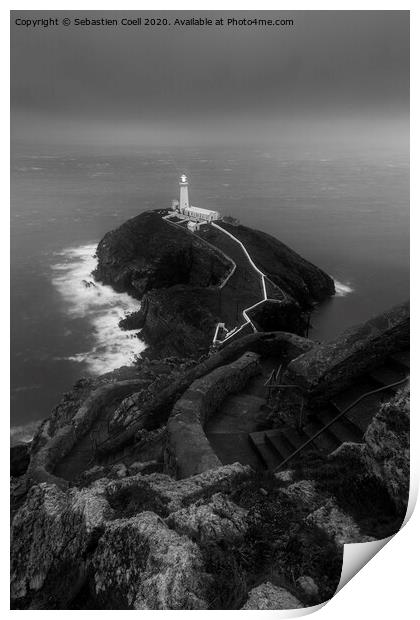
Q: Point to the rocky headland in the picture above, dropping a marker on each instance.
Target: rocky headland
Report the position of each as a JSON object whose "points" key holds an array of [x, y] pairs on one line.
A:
{"points": [[142, 489], [177, 277]]}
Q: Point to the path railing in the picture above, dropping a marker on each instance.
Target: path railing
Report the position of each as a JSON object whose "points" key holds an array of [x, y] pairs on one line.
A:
{"points": [[336, 418]]}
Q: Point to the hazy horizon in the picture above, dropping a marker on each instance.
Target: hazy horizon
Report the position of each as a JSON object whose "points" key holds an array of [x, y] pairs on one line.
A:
{"points": [[332, 77]]}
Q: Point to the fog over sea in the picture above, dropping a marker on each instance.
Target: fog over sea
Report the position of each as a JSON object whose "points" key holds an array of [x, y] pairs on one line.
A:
{"points": [[344, 210]]}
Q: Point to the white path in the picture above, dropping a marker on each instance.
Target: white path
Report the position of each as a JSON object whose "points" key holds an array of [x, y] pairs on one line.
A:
{"points": [[246, 310], [263, 277]]}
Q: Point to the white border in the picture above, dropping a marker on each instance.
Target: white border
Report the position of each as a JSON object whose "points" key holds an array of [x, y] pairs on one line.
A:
{"points": [[387, 586]]}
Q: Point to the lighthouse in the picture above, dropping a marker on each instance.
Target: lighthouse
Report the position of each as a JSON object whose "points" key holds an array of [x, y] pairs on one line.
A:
{"points": [[183, 194], [192, 213]]}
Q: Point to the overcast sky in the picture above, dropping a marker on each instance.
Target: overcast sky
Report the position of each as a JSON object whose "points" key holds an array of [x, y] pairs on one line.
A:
{"points": [[347, 68]]}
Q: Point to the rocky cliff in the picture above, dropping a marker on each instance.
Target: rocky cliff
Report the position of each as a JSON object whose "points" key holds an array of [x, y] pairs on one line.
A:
{"points": [[130, 537], [147, 253]]}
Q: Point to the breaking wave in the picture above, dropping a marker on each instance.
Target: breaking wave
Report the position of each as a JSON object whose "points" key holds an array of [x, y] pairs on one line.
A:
{"points": [[101, 306], [24, 433], [341, 289]]}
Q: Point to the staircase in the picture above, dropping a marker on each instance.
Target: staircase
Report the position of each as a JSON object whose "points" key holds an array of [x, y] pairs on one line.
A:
{"points": [[240, 414], [274, 446]]}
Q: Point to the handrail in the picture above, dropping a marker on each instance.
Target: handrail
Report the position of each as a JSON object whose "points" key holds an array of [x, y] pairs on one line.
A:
{"points": [[340, 415]]}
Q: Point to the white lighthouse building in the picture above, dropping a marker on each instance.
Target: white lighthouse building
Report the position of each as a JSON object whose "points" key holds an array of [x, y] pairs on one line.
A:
{"points": [[183, 194], [193, 213]]}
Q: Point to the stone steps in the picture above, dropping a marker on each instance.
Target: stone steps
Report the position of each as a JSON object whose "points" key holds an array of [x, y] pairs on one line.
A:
{"points": [[276, 445]]}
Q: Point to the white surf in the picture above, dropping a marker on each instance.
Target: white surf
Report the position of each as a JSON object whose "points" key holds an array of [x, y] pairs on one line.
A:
{"points": [[101, 306]]}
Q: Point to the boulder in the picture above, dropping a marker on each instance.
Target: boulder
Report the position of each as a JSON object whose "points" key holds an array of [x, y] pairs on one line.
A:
{"points": [[51, 533], [269, 596], [338, 525], [140, 563]]}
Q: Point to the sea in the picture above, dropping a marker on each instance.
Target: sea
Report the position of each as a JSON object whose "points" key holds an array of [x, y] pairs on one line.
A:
{"points": [[347, 211]]}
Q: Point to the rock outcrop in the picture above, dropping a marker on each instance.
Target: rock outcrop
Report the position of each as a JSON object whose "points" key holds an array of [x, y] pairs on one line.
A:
{"points": [[140, 563], [164, 495], [329, 367], [52, 533], [148, 253], [110, 542], [387, 451]]}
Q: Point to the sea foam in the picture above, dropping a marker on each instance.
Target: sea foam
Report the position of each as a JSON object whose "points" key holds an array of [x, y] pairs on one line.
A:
{"points": [[342, 289], [101, 306], [23, 433]]}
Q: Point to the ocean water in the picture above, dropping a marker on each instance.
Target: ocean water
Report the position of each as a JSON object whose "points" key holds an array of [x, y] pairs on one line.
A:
{"points": [[346, 211]]}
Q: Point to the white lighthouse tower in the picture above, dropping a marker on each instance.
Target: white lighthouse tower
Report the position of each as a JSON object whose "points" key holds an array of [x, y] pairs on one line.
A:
{"points": [[183, 194]]}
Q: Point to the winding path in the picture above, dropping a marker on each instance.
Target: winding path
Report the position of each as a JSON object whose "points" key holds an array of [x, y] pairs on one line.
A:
{"points": [[265, 298], [220, 327]]}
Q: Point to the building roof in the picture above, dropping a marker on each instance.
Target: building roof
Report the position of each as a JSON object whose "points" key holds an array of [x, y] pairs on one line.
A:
{"points": [[199, 210]]}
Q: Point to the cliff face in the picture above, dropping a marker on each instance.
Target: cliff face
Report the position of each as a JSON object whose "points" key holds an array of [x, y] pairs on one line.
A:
{"points": [[146, 253]]}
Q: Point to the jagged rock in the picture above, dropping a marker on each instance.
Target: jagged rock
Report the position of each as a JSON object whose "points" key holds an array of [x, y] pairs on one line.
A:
{"points": [[141, 564], [387, 453], [163, 495], [130, 409], [218, 519], [308, 587], [269, 596], [51, 533], [337, 524]]}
